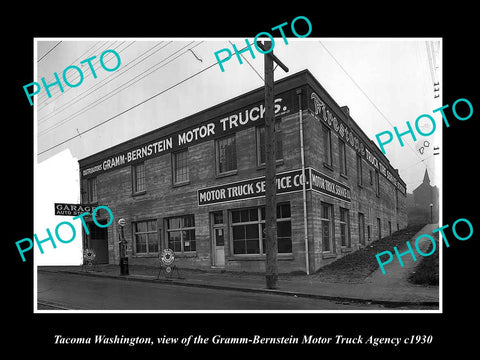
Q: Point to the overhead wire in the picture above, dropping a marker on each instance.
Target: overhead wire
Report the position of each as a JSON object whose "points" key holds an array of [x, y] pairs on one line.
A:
{"points": [[129, 109], [77, 76], [116, 91], [49, 51], [97, 86], [366, 95]]}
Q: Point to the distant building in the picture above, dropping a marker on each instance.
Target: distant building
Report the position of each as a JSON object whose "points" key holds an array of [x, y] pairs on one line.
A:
{"points": [[418, 203]]}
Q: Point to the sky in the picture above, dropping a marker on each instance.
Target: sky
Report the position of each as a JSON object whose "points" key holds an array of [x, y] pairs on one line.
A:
{"points": [[384, 82]]}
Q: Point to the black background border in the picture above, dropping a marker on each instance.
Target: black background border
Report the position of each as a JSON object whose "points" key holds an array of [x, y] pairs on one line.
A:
{"points": [[27, 331]]}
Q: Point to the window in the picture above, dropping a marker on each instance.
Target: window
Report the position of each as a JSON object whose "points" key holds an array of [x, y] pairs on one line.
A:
{"points": [[181, 234], [91, 195], [369, 233], [371, 177], [379, 228], [396, 198], [226, 154], [145, 236], [180, 167], [327, 145], [248, 230], [359, 170], [261, 143], [326, 218], [390, 228], [342, 152], [361, 228], [138, 177], [377, 183], [345, 227]]}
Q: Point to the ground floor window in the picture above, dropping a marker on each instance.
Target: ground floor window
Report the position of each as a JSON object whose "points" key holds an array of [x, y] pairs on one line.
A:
{"points": [[345, 228], [361, 228], [145, 236], [181, 233], [326, 218], [248, 230]]}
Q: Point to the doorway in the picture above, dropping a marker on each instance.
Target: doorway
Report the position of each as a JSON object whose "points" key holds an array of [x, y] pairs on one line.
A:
{"points": [[218, 239], [97, 240]]}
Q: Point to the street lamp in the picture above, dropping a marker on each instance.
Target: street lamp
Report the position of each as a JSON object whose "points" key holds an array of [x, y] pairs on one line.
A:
{"points": [[431, 213]]}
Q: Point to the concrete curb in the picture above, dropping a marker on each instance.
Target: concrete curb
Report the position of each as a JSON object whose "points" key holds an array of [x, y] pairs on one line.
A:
{"points": [[386, 303]]}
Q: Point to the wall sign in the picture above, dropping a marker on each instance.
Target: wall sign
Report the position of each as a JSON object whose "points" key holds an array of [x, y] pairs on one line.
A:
{"points": [[287, 182], [73, 209], [245, 117], [324, 114], [326, 185]]}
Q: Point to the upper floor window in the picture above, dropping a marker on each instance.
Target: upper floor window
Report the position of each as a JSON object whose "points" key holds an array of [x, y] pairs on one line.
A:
{"points": [[359, 170], [91, 194], [138, 178], [180, 167], [327, 145], [342, 152], [261, 149], [226, 154]]}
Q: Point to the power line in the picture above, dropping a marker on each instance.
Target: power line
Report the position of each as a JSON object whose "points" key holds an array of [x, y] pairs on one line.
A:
{"points": [[57, 90], [48, 52], [127, 110], [370, 100], [248, 62], [102, 83], [116, 91]]}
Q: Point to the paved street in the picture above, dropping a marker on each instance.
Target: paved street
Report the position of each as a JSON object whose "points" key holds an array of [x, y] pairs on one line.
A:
{"points": [[71, 291]]}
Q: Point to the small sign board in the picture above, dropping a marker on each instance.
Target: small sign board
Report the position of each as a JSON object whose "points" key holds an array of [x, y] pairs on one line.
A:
{"points": [[167, 257], [73, 209]]}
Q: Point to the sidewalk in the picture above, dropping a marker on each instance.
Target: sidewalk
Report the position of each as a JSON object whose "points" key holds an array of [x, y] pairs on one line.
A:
{"points": [[390, 290]]}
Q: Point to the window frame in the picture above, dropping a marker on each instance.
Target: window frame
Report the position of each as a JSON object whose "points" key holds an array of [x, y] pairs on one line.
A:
{"points": [[361, 228], [154, 233], [377, 183], [217, 155], [181, 229], [175, 180], [327, 146], [342, 157], [359, 170], [278, 142], [260, 226], [331, 228], [92, 196], [135, 190], [345, 239]]}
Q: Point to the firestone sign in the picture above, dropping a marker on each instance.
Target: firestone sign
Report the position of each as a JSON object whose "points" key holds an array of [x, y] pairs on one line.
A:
{"points": [[322, 112]]}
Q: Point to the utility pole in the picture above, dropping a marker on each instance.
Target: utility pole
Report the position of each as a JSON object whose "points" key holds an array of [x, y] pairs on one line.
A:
{"points": [[271, 248]]}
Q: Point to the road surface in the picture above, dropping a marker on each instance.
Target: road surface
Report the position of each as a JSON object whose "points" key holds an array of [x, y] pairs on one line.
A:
{"points": [[70, 291]]}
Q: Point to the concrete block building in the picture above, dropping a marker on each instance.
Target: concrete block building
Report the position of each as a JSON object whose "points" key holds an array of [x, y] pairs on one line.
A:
{"points": [[196, 186]]}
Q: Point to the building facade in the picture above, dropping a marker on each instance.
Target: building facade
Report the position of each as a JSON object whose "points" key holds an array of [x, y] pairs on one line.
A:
{"points": [[196, 186]]}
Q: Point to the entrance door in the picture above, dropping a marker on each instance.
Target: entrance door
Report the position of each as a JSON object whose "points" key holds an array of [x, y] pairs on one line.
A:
{"points": [[219, 235], [218, 239], [98, 242]]}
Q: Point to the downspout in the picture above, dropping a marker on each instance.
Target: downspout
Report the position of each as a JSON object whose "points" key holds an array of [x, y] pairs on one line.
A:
{"points": [[304, 189]]}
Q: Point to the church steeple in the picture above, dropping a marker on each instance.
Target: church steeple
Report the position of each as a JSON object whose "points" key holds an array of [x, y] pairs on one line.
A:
{"points": [[426, 178]]}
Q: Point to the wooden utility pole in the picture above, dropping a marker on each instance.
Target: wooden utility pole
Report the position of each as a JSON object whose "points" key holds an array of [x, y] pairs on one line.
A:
{"points": [[271, 248]]}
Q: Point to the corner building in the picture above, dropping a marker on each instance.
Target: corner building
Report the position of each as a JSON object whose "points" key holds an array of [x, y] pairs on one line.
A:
{"points": [[196, 186]]}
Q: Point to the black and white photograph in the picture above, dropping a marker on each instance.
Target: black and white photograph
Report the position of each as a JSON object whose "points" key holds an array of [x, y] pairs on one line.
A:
{"points": [[276, 183], [174, 144]]}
